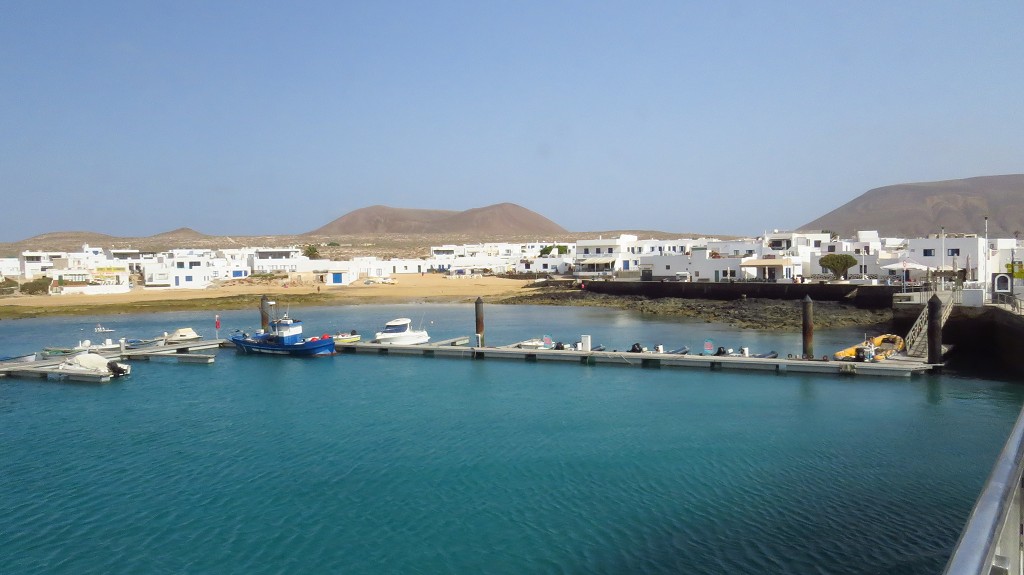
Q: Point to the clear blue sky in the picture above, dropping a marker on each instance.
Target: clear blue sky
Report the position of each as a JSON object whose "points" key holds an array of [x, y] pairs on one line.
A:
{"points": [[134, 118]]}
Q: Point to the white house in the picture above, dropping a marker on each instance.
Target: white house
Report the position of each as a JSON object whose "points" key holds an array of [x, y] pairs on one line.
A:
{"points": [[949, 252], [89, 271], [551, 264], [604, 256], [36, 263], [697, 266], [10, 268]]}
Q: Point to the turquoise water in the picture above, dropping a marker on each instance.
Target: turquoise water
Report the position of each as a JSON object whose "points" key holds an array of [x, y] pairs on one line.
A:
{"points": [[370, 464]]}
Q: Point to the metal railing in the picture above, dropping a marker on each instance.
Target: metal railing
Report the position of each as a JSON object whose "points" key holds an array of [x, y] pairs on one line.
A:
{"points": [[1011, 301], [991, 542]]}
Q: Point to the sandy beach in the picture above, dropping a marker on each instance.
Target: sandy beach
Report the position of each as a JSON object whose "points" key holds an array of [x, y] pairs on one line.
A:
{"points": [[411, 288]]}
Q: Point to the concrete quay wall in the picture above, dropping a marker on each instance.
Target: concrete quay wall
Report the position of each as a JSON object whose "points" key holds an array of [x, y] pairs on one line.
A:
{"points": [[863, 296], [986, 339]]}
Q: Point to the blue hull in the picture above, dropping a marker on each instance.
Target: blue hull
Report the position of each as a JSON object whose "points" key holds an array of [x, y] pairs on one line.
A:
{"points": [[324, 346]]}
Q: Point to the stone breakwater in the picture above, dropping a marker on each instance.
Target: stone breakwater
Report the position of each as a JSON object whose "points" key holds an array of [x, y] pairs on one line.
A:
{"points": [[750, 313]]}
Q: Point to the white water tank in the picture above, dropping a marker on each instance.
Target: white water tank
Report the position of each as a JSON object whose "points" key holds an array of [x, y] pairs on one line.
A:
{"points": [[584, 343]]}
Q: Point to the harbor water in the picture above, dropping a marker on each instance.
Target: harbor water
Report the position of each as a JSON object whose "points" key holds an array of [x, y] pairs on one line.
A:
{"points": [[375, 464]]}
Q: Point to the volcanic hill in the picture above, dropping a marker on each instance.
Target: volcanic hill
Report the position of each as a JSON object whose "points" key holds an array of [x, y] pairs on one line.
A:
{"points": [[493, 220], [913, 210]]}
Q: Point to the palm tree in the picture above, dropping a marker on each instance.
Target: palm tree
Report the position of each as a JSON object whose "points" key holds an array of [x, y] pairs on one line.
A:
{"points": [[311, 252]]}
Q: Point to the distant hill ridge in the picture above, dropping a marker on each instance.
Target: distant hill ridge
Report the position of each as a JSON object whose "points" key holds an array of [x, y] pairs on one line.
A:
{"points": [[919, 209], [179, 234], [497, 219]]}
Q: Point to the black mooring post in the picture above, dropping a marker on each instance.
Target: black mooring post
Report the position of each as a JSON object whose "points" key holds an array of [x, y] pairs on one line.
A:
{"points": [[934, 330], [480, 321], [808, 327]]}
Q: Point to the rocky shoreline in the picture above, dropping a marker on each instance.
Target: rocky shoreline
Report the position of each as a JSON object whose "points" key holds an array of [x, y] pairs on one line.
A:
{"points": [[750, 313]]}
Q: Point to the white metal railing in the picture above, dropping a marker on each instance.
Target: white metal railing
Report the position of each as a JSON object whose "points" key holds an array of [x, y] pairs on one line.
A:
{"points": [[990, 544], [917, 334], [917, 338]]}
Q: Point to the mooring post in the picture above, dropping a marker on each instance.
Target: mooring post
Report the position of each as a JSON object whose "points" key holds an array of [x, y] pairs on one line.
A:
{"points": [[934, 330], [808, 327], [265, 313], [480, 321]]}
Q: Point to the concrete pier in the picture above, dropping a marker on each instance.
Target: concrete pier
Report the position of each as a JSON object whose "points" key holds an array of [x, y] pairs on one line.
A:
{"points": [[48, 367], [885, 368]]}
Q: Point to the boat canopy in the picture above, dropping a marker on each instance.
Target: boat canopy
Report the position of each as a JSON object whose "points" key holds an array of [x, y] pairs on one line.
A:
{"points": [[397, 326]]}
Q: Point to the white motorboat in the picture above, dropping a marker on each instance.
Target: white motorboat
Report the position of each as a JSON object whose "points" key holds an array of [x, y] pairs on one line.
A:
{"points": [[100, 329], [88, 345], [92, 364], [537, 343], [181, 335], [399, 331]]}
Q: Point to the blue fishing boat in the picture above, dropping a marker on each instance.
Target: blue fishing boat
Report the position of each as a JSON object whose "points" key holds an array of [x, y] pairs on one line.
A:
{"points": [[283, 336]]}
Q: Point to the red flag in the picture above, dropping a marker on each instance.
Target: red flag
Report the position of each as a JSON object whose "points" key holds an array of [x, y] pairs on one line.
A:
{"points": [[216, 325]]}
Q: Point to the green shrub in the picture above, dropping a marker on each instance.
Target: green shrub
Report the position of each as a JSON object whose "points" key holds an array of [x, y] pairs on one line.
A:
{"points": [[38, 286]]}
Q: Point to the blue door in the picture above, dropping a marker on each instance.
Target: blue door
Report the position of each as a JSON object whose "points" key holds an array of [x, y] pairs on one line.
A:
{"points": [[625, 265], [336, 278], [176, 280]]}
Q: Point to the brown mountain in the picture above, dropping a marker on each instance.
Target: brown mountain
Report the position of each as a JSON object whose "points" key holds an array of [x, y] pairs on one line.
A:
{"points": [[911, 210], [491, 220], [58, 240], [179, 234]]}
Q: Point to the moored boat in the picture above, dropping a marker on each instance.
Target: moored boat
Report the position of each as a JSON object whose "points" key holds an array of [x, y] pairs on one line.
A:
{"points": [[26, 358], [283, 336], [107, 345], [399, 331], [537, 343], [92, 364], [872, 349], [181, 335], [349, 337], [744, 352]]}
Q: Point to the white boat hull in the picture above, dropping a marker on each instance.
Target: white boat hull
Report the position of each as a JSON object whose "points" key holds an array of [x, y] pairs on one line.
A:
{"points": [[407, 338]]}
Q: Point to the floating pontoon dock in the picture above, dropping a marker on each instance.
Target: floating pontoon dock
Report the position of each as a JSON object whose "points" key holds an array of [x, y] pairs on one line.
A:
{"points": [[49, 367], [904, 367]]}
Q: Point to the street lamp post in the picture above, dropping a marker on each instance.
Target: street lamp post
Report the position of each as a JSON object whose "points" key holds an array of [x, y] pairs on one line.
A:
{"points": [[942, 264]]}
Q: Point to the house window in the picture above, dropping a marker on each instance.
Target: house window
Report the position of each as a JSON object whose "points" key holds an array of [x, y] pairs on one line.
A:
{"points": [[953, 252], [598, 250], [611, 250], [188, 278], [831, 249], [668, 267], [817, 243], [856, 251], [586, 251], [928, 252]]}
